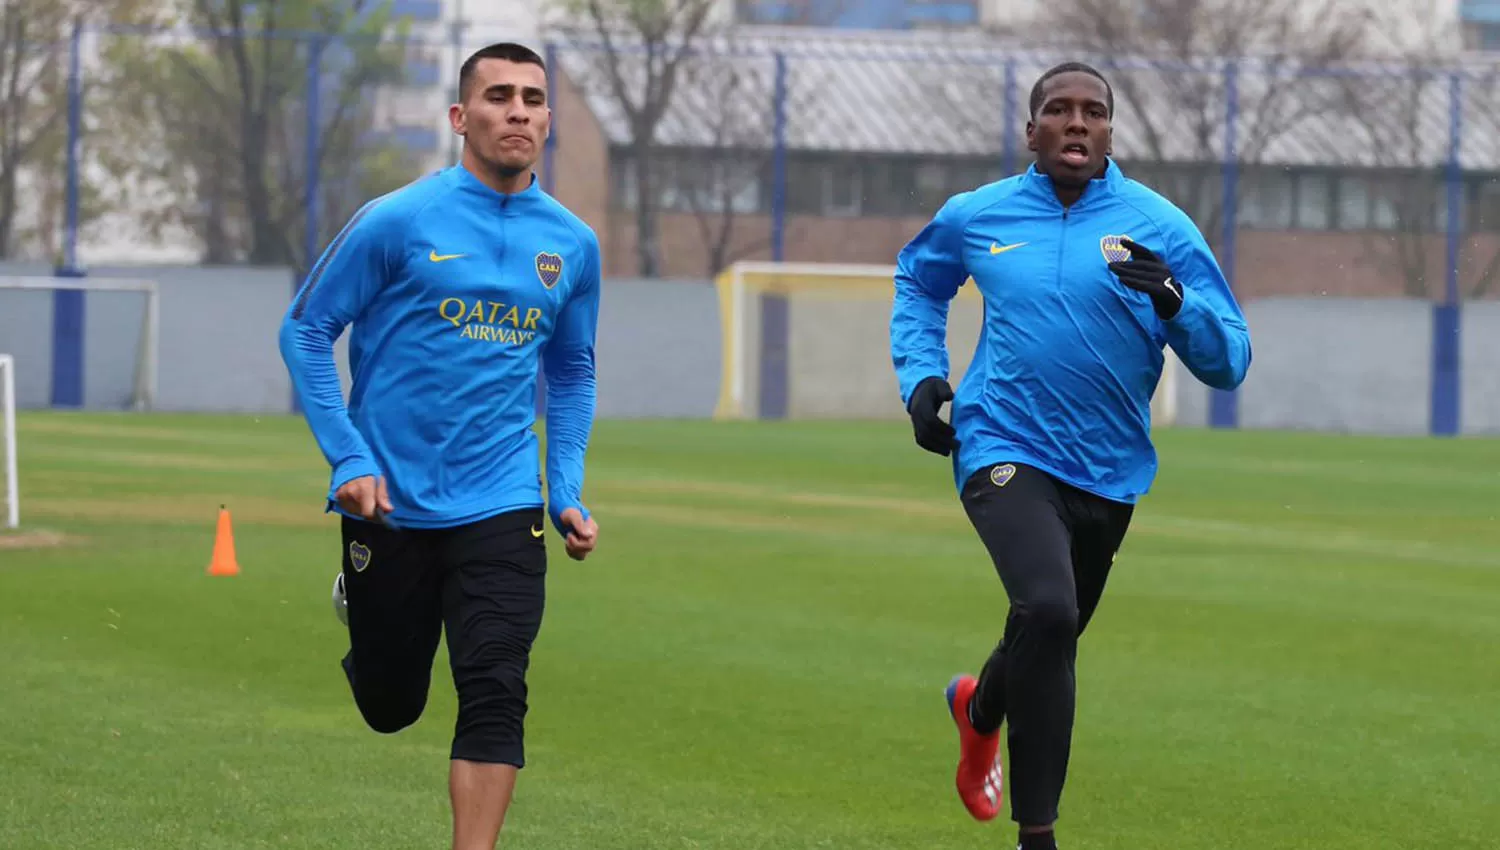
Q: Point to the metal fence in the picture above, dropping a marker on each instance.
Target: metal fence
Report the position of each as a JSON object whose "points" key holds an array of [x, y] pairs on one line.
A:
{"points": [[212, 147], [253, 147]]}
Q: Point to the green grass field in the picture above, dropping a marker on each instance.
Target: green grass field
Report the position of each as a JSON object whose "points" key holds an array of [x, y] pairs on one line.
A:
{"points": [[1297, 649]]}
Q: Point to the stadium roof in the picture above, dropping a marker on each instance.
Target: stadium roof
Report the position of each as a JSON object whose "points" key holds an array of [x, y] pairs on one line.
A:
{"points": [[946, 94]]}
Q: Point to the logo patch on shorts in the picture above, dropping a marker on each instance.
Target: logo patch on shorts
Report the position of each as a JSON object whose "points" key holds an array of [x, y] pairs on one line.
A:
{"points": [[359, 556], [1113, 251], [1001, 475]]}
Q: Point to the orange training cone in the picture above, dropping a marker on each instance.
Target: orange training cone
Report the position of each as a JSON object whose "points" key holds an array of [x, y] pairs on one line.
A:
{"points": [[224, 562]]}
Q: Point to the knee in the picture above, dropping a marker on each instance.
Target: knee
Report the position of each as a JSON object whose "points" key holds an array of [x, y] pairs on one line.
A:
{"points": [[491, 716], [1052, 619], [390, 714]]}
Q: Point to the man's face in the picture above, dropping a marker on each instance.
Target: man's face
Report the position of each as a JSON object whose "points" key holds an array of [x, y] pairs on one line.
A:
{"points": [[504, 115], [1070, 133]]}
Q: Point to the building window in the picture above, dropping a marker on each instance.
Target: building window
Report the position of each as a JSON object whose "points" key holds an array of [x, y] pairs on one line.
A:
{"points": [[1314, 201], [1266, 199], [843, 189]]}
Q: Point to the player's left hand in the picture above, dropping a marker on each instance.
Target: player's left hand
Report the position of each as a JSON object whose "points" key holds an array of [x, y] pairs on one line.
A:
{"points": [[1145, 272], [582, 533]]}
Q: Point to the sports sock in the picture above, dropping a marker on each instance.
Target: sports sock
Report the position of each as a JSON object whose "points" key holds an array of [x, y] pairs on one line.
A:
{"points": [[981, 724], [1037, 841]]}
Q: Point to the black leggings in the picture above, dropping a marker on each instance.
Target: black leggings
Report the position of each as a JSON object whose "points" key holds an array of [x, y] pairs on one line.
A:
{"points": [[1053, 546]]}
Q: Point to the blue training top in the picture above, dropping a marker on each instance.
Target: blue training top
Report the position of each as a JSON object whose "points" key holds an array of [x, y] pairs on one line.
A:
{"points": [[1068, 357], [457, 294]]}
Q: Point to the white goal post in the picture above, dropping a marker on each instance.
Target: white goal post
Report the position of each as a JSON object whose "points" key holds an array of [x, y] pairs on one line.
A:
{"points": [[836, 332], [143, 392], [12, 478]]}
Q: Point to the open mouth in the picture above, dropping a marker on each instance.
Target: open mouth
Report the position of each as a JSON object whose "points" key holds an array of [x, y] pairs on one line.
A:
{"points": [[1074, 153]]}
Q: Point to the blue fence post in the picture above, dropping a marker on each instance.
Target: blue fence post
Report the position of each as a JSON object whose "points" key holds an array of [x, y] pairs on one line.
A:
{"points": [[75, 140], [456, 31], [68, 304], [549, 147], [1008, 123], [774, 318], [312, 188], [778, 162], [1223, 406], [1447, 318], [312, 241]]}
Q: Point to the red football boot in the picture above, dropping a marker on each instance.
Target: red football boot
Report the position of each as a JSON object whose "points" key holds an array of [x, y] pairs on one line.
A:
{"points": [[979, 778]]}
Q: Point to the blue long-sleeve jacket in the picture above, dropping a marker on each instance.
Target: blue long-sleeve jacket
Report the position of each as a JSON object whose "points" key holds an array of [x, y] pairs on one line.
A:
{"points": [[1068, 356], [458, 295]]}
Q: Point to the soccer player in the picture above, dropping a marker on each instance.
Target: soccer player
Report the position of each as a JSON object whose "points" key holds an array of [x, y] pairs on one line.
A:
{"points": [[1086, 275], [460, 287]]}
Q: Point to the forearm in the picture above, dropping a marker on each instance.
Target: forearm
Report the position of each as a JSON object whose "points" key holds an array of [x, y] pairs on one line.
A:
{"points": [[307, 350], [919, 337], [570, 418], [1213, 347]]}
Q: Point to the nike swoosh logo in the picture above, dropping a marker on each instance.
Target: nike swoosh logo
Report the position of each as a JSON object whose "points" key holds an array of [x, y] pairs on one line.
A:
{"points": [[997, 248], [538, 532], [438, 258]]}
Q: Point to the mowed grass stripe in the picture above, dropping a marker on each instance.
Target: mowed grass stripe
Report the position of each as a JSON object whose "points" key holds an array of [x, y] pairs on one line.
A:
{"points": [[756, 657]]}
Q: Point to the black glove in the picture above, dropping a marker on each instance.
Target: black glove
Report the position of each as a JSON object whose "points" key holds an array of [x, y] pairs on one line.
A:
{"points": [[1145, 272], [933, 434]]}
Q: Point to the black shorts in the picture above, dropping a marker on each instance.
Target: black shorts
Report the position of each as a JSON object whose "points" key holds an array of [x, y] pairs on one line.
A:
{"points": [[485, 585]]}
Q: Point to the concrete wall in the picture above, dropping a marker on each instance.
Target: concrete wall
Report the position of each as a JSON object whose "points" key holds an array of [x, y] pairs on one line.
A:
{"points": [[1331, 364]]}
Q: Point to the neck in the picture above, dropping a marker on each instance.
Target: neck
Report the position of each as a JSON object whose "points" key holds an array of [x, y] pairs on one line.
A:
{"points": [[502, 180], [1068, 195]]}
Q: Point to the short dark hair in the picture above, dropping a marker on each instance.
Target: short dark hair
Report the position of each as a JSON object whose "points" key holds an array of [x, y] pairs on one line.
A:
{"points": [[1065, 68], [507, 50]]}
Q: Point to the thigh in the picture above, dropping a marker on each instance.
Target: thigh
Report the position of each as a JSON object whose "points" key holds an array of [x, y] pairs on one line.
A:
{"points": [[494, 591], [395, 603], [1099, 533], [1019, 516]]}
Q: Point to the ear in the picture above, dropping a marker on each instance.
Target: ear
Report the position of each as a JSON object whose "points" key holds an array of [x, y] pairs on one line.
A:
{"points": [[1031, 136], [1109, 148], [457, 119]]}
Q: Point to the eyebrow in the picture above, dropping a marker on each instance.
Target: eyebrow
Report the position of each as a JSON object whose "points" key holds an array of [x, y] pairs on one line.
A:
{"points": [[527, 90]]}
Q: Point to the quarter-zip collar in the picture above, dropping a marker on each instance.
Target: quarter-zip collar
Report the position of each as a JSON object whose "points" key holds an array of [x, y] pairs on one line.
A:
{"points": [[1097, 189]]}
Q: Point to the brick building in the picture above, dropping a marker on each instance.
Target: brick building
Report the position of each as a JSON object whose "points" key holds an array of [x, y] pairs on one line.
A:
{"points": [[1339, 176]]}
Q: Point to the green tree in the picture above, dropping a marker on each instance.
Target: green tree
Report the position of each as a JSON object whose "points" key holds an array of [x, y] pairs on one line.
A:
{"points": [[35, 48], [218, 124]]}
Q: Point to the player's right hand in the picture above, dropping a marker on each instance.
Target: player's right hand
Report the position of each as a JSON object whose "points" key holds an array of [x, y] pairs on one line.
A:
{"points": [[583, 533], [364, 496], [933, 434]]}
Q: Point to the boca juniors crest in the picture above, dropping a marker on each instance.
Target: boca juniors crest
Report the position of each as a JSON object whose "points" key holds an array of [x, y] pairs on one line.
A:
{"points": [[549, 268], [1113, 251], [359, 556]]}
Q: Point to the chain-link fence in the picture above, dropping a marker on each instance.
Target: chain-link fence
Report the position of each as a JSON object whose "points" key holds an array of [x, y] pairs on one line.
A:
{"points": [[215, 147], [252, 147]]}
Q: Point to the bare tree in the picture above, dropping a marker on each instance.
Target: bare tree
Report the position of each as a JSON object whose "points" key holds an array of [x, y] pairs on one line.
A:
{"points": [[1177, 113], [721, 181], [644, 46], [1402, 121]]}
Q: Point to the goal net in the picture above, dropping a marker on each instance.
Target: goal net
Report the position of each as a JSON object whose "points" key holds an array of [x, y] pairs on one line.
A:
{"points": [[10, 509], [812, 340], [83, 341]]}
